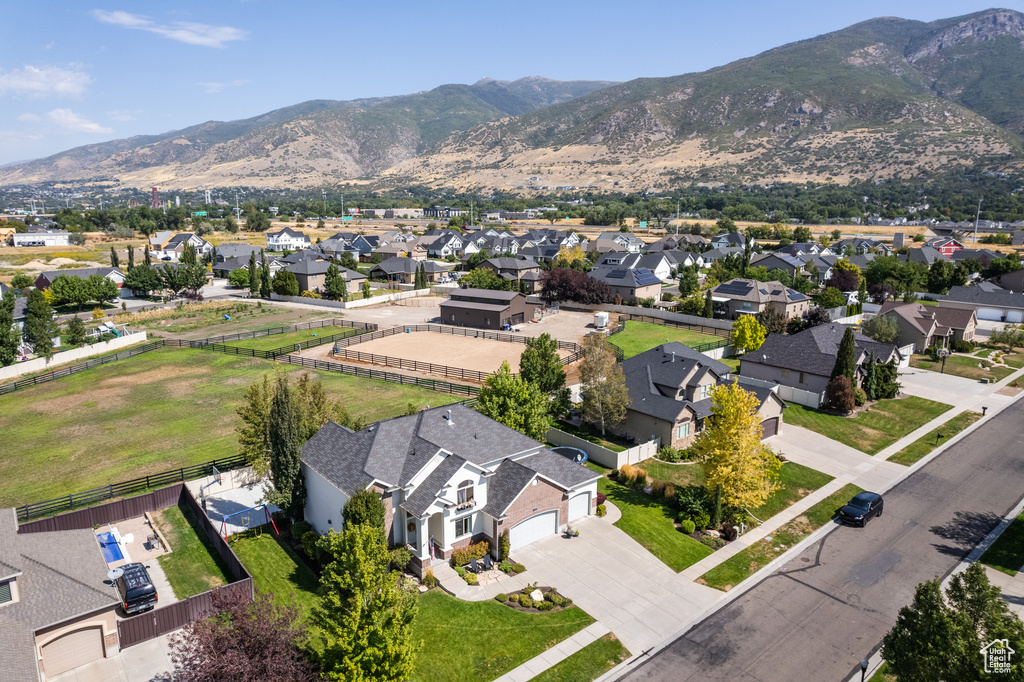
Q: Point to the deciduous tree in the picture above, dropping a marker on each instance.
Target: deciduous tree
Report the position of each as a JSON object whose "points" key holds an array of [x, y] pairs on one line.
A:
{"points": [[101, 289], [1011, 336], [603, 386], [831, 298], [482, 278], [689, 281], [256, 221], [747, 334], [772, 321], [881, 328], [10, 338], [515, 402], [69, 290], [143, 280], [239, 277]]}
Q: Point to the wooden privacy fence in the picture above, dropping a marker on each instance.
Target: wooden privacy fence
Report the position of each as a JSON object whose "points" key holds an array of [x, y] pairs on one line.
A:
{"points": [[166, 619]]}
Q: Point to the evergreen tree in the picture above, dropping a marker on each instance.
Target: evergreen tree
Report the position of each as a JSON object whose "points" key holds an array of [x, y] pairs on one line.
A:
{"points": [[709, 308], [254, 276], [364, 508], [870, 383], [265, 279], [689, 282], [131, 258], [146, 258], [76, 331], [862, 291], [10, 338], [540, 365], [846, 361], [213, 255], [113, 257], [285, 444], [188, 255], [39, 325]]}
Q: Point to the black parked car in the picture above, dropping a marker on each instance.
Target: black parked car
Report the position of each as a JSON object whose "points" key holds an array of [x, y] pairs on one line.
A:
{"points": [[861, 508], [136, 589]]}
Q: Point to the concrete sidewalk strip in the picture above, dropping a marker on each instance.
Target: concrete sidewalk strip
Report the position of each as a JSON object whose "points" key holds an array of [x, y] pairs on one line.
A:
{"points": [[556, 654]]}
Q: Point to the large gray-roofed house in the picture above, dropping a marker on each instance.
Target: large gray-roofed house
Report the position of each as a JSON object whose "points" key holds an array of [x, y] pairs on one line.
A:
{"points": [[749, 297], [999, 306], [45, 279], [629, 284], [435, 471], [228, 251], [56, 613], [403, 270]]}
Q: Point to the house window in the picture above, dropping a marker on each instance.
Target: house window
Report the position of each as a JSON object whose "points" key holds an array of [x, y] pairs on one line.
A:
{"points": [[803, 378], [705, 391], [464, 526], [464, 496], [5, 592], [683, 430], [785, 374]]}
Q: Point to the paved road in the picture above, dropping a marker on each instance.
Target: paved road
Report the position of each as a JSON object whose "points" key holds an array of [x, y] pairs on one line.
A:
{"points": [[819, 614]]}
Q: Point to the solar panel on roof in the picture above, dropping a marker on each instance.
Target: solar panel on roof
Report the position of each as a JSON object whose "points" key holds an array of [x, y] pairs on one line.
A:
{"points": [[763, 291]]}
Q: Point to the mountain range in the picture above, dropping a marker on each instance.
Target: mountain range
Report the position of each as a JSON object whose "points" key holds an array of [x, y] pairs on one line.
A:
{"points": [[885, 98]]}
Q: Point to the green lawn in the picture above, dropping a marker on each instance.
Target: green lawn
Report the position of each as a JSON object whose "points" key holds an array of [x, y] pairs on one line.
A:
{"points": [[928, 442], [748, 561], [280, 340], [193, 566], [276, 568], [158, 411], [641, 336], [475, 641], [589, 663], [652, 525], [1007, 553], [962, 366], [874, 429], [1015, 360], [610, 440], [733, 363]]}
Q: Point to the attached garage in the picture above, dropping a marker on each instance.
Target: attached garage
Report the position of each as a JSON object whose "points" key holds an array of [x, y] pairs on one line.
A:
{"points": [[579, 506], [769, 427], [533, 529], [1015, 316], [990, 314], [74, 649]]}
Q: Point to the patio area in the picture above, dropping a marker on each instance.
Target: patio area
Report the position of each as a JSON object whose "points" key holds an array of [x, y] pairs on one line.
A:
{"points": [[243, 508]]}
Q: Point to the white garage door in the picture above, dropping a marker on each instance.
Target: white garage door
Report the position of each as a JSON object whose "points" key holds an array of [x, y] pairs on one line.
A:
{"points": [[579, 506], [533, 529], [1016, 316], [990, 314], [72, 650]]}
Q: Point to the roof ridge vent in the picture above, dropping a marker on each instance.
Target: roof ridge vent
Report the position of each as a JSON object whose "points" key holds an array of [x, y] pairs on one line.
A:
{"points": [[448, 416]]}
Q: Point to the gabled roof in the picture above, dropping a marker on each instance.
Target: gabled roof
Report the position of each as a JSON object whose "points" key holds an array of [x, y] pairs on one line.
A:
{"points": [[651, 375], [288, 232], [925, 254], [398, 264], [624, 277], [814, 350], [977, 296], [504, 486], [226, 251], [82, 273], [777, 260], [758, 292], [309, 267], [517, 264], [426, 492]]}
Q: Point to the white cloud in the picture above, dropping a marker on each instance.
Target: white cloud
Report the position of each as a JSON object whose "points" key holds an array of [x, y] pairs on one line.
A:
{"points": [[124, 114], [44, 81], [70, 122], [213, 87], [48, 45], [29, 117], [188, 32]]}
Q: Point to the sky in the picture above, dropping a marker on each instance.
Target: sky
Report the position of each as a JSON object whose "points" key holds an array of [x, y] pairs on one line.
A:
{"points": [[76, 73]]}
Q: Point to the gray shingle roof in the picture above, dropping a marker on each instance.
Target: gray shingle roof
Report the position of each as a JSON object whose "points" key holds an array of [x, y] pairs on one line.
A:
{"points": [[396, 265], [83, 273], [814, 350], [504, 486], [996, 299], [309, 267], [426, 492], [557, 468], [489, 294]]}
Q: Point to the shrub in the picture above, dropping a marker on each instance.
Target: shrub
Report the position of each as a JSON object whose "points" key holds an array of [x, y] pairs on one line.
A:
{"points": [[668, 454], [309, 540], [504, 546], [859, 396], [518, 568], [712, 542], [460, 571], [461, 557], [693, 500], [544, 606], [300, 528], [311, 294], [501, 597], [400, 558], [429, 579], [471, 579], [514, 598], [505, 566], [688, 526], [601, 510], [98, 314], [839, 392], [729, 532], [702, 520], [601, 498], [961, 346], [525, 602]]}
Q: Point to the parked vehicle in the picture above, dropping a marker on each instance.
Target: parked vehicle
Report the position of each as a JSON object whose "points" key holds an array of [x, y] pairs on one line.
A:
{"points": [[861, 509], [136, 589]]}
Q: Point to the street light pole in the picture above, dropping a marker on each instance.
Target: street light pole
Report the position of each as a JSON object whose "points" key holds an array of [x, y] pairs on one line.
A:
{"points": [[677, 217], [863, 668], [324, 193]]}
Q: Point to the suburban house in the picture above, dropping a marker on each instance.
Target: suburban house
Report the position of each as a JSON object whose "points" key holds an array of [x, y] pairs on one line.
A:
{"points": [[170, 245], [1000, 306], [925, 326], [450, 244], [619, 241], [925, 254], [800, 249], [720, 241], [680, 259], [3, 289], [403, 270], [486, 308], [860, 245], [286, 238], [677, 241], [524, 270], [45, 279], [791, 265], [669, 392], [42, 238], [448, 477], [414, 248], [947, 246], [805, 360], [749, 297], [629, 285], [658, 262], [226, 252], [312, 276], [983, 256], [541, 253], [712, 255], [56, 612]]}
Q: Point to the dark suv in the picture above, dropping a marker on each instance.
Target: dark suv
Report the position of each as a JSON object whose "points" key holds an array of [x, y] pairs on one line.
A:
{"points": [[136, 589], [861, 508]]}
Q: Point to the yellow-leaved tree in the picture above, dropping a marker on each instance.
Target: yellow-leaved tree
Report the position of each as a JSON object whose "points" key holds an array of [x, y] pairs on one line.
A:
{"points": [[731, 447], [747, 334]]}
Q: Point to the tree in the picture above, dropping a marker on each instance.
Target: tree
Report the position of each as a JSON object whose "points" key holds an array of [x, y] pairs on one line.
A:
{"points": [[940, 276], [731, 447], [572, 258], [257, 222], [131, 258], [250, 641], [1011, 336], [285, 283], [747, 334], [285, 452], [40, 329], [689, 282], [142, 280], [188, 255], [942, 639], [366, 289], [185, 280], [230, 224], [887, 380], [514, 402], [10, 337], [881, 328], [831, 298], [101, 289], [335, 285], [482, 278], [265, 279], [146, 257], [21, 282], [254, 275], [541, 365], [76, 331], [365, 615], [846, 361], [839, 394], [870, 382], [113, 257], [603, 386], [802, 234], [709, 307], [564, 284], [239, 277], [862, 291], [772, 321], [364, 507], [880, 293]]}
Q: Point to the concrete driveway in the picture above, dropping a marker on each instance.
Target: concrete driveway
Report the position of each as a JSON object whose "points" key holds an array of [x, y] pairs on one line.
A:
{"points": [[618, 582], [945, 388], [146, 662], [814, 450]]}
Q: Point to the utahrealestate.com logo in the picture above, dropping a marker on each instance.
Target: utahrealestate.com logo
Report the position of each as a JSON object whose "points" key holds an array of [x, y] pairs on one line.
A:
{"points": [[997, 655]]}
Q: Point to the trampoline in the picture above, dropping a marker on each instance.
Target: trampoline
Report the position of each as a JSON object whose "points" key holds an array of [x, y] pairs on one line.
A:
{"points": [[110, 547]]}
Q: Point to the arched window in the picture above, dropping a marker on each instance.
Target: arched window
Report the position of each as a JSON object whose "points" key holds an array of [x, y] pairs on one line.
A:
{"points": [[465, 493]]}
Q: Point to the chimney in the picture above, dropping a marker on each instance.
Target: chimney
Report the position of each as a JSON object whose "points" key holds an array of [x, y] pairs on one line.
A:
{"points": [[449, 418]]}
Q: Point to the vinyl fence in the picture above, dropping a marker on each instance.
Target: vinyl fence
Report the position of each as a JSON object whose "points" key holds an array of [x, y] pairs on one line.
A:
{"points": [[787, 393], [99, 348], [601, 454]]}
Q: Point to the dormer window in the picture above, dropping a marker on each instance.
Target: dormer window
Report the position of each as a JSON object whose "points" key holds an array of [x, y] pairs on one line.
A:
{"points": [[464, 496], [6, 593], [704, 391]]}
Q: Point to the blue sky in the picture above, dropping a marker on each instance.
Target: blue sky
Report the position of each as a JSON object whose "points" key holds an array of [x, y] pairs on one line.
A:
{"points": [[75, 73]]}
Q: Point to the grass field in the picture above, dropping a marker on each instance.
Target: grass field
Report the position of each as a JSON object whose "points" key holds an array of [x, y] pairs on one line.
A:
{"points": [[589, 663], [748, 561], [1007, 553], [642, 336], [281, 340], [874, 429], [962, 366], [474, 641], [193, 567], [928, 442], [198, 320], [160, 410], [276, 568]]}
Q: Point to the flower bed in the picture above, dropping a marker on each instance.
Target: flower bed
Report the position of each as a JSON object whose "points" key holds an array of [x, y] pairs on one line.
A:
{"points": [[522, 601]]}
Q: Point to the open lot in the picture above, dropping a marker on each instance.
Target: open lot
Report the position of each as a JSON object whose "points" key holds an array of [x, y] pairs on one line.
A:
{"points": [[642, 336], [963, 366], [201, 320], [280, 340], [160, 410]]}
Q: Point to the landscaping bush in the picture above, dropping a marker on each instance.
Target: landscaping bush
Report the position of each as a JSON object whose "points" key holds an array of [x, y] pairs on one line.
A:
{"points": [[505, 566], [514, 598], [859, 396], [504, 546], [729, 532], [601, 510], [544, 606], [518, 568], [932, 352], [460, 571], [667, 453], [300, 528], [309, 540], [501, 597], [688, 526], [702, 520], [961, 346], [712, 542], [400, 558], [461, 557], [525, 602], [632, 476], [692, 500], [601, 498], [471, 579], [429, 579]]}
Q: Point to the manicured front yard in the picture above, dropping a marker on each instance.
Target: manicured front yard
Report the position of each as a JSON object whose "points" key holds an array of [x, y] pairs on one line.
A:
{"points": [[193, 567], [475, 641], [280, 340], [641, 336], [748, 561], [147, 414], [874, 429], [928, 442], [589, 663], [962, 366], [652, 525], [1007, 553]]}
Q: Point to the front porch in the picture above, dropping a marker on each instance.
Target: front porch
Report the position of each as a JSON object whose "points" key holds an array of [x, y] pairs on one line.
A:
{"points": [[433, 538]]}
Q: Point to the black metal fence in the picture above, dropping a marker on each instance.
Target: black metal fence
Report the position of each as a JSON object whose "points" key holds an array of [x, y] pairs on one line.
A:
{"points": [[108, 492], [265, 354], [334, 322], [79, 367]]}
